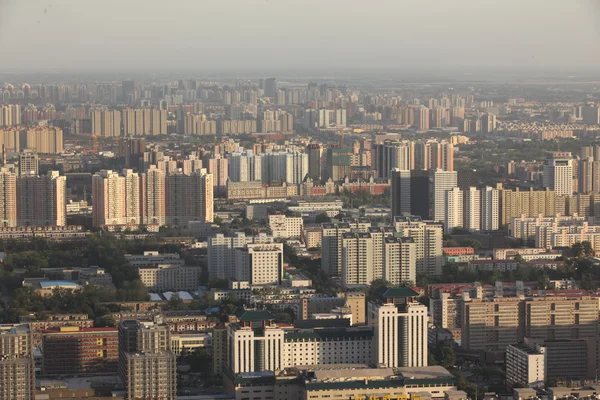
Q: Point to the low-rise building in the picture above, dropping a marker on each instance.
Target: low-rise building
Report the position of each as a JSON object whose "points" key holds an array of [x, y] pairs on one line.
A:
{"points": [[170, 277], [189, 341], [493, 265], [354, 381]]}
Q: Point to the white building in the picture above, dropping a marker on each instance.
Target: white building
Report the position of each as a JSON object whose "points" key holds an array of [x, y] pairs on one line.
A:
{"points": [[281, 226], [441, 182], [400, 326], [399, 260], [558, 174], [428, 237], [526, 364], [259, 263], [453, 214], [221, 252], [490, 206], [357, 259], [472, 209]]}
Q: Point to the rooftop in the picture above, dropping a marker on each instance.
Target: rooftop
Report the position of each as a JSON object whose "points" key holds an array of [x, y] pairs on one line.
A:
{"points": [[51, 284], [386, 292], [254, 315]]}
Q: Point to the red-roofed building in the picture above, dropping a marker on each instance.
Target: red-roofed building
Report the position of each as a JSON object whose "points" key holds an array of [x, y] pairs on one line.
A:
{"points": [[458, 251], [71, 350]]}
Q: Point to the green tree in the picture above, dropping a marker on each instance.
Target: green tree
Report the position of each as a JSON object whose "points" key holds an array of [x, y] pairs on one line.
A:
{"points": [[447, 356], [175, 302], [322, 218]]}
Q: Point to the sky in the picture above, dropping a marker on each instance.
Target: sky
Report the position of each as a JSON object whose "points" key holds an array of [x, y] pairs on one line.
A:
{"points": [[105, 35]]}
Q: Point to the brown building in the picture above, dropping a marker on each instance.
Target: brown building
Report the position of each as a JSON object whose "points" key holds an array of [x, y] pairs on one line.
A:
{"points": [[71, 350], [55, 321], [493, 324]]}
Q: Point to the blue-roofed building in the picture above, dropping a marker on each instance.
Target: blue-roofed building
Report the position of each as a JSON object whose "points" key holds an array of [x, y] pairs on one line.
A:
{"points": [[46, 288]]}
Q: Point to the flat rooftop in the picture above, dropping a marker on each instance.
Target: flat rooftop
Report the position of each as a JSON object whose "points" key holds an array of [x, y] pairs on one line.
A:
{"points": [[354, 373], [82, 383], [424, 372]]}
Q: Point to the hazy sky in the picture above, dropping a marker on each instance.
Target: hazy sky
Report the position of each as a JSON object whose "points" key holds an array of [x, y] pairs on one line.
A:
{"points": [[273, 34]]}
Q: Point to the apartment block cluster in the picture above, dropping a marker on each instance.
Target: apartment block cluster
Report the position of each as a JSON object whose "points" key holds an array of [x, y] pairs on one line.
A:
{"points": [[257, 354], [152, 198], [29, 199], [540, 332]]}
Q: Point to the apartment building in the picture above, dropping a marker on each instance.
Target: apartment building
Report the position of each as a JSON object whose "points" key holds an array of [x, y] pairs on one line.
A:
{"points": [[221, 252], [281, 226], [70, 350], [526, 365], [147, 366], [259, 263], [427, 236], [17, 367]]}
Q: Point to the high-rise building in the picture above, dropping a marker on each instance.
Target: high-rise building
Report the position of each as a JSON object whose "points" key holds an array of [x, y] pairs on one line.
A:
{"points": [[144, 122], [391, 155], [45, 139], [8, 198], [422, 118], [189, 198], [218, 167], [147, 365], [420, 194], [488, 123], [41, 200], [590, 115], [531, 203], [245, 167], [296, 167], [434, 155], [115, 198], [13, 138], [270, 87], [315, 154], [401, 192], [558, 174], [357, 259], [339, 161], [331, 250], [106, 123], [585, 175], [490, 209], [428, 238], [441, 182], [399, 260], [472, 209], [152, 197], [454, 208], [28, 163], [400, 325], [17, 366], [10, 115], [132, 149]]}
